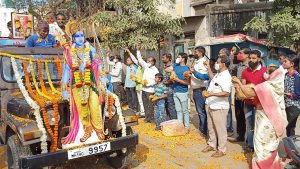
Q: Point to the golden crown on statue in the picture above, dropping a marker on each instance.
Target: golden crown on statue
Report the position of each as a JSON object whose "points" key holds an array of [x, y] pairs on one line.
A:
{"points": [[71, 27]]}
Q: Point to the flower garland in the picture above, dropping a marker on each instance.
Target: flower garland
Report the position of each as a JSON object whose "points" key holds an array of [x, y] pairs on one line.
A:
{"points": [[105, 106], [50, 81], [40, 101], [30, 59], [119, 112], [35, 82], [58, 66], [54, 101], [110, 104], [33, 105]]}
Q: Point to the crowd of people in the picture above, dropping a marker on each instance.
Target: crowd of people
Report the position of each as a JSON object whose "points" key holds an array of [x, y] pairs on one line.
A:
{"points": [[271, 99]]}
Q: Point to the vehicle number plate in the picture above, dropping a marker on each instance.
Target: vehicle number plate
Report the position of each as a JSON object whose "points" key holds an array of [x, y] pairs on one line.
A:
{"points": [[86, 151]]}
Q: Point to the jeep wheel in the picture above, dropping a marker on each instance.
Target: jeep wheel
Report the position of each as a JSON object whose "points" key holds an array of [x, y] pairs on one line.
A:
{"points": [[119, 159], [15, 151]]}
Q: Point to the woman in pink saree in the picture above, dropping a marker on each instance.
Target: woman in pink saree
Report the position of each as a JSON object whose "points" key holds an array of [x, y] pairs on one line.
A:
{"points": [[270, 118]]}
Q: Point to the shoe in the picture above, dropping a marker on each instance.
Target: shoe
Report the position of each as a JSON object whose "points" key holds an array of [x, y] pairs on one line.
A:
{"points": [[203, 135], [230, 134], [237, 139], [140, 116], [147, 121], [208, 149], [218, 154], [248, 149], [157, 128], [187, 130]]}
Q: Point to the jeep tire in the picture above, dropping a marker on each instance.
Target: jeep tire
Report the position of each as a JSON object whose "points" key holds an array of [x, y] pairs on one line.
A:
{"points": [[15, 150], [120, 160]]}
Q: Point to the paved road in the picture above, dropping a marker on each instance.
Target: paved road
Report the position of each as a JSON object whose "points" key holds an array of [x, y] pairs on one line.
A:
{"points": [[157, 151]]}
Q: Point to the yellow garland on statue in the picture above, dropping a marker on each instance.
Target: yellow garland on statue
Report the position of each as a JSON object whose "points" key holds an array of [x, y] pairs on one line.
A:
{"points": [[87, 76], [29, 59], [35, 83], [77, 78], [49, 80]]}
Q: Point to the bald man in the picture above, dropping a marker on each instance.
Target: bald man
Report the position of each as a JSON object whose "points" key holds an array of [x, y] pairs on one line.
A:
{"points": [[42, 38]]}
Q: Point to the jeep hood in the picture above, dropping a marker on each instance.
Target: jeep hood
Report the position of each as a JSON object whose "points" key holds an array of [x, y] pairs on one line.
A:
{"points": [[19, 107]]}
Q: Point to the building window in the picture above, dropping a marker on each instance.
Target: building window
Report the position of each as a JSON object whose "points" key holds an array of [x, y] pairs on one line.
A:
{"points": [[189, 35], [232, 32], [262, 36]]}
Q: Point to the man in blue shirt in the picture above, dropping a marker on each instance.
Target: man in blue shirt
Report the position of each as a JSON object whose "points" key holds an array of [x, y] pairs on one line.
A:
{"points": [[42, 38], [130, 85], [180, 87]]}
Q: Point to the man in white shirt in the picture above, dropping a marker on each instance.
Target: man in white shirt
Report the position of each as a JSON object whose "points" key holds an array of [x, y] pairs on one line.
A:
{"points": [[217, 106], [54, 29], [116, 77], [148, 83], [198, 86]]}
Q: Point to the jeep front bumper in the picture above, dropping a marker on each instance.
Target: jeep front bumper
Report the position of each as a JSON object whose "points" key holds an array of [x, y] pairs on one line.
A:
{"points": [[61, 156]]}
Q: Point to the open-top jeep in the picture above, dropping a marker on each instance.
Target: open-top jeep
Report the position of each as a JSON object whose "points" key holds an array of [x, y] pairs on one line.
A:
{"points": [[20, 132]]}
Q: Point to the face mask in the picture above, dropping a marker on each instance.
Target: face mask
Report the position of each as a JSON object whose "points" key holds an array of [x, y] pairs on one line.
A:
{"points": [[252, 65], [196, 56], [217, 66], [149, 64], [115, 60], [239, 57], [286, 65], [177, 60]]}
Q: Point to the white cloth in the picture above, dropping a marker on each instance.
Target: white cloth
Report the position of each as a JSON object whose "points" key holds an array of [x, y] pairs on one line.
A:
{"points": [[55, 30], [220, 83], [265, 139], [199, 67], [116, 71], [140, 99], [149, 74]]}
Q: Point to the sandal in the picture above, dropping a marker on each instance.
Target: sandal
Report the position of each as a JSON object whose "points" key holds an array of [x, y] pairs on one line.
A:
{"points": [[100, 135], [86, 136]]}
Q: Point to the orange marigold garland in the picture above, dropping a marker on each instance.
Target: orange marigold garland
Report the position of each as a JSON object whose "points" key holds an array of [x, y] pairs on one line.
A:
{"points": [[42, 104], [54, 103], [59, 68], [111, 102]]}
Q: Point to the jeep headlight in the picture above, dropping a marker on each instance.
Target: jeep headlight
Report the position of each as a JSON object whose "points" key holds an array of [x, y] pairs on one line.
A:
{"points": [[50, 114]]}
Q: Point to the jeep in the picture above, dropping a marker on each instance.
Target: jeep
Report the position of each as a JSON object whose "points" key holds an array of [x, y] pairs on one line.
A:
{"points": [[21, 135]]}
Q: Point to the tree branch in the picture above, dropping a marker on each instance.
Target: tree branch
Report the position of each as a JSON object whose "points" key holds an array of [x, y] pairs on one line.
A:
{"points": [[32, 11]]}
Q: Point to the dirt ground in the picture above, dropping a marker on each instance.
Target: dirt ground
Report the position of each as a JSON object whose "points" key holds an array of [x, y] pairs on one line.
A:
{"points": [[157, 151]]}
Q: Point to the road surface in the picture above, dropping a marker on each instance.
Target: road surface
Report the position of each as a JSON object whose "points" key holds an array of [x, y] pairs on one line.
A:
{"points": [[157, 151]]}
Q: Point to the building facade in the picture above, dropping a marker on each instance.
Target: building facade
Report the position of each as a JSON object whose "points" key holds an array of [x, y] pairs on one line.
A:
{"points": [[210, 18]]}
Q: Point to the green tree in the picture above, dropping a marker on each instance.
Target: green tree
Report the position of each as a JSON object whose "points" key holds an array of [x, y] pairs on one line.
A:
{"points": [[134, 21], [37, 8], [120, 22], [283, 25]]}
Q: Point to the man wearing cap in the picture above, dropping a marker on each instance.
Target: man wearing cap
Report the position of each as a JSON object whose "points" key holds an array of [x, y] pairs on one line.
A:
{"points": [[42, 38]]}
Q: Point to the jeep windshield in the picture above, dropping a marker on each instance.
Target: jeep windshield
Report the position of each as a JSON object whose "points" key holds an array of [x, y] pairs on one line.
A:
{"points": [[7, 72]]}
